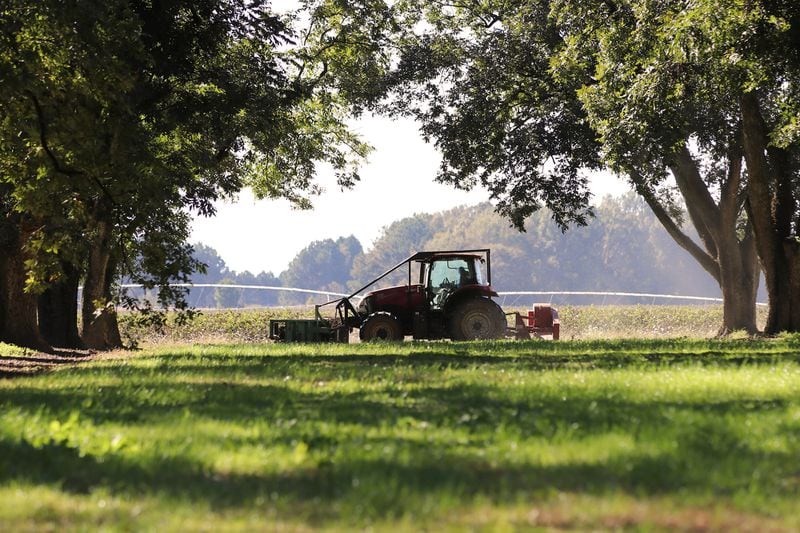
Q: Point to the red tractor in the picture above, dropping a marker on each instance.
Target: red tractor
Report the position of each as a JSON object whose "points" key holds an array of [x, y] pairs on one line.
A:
{"points": [[451, 298]]}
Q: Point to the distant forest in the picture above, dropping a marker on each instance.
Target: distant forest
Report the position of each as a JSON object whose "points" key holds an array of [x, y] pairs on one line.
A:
{"points": [[623, 248]]}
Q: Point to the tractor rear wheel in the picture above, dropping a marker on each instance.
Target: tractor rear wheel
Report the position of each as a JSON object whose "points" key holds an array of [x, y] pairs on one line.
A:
{"points": [[477, 318], [381, 326]]}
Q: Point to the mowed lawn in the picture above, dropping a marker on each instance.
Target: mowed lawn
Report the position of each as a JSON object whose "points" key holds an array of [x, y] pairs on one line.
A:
{"points": [[440, 436]]}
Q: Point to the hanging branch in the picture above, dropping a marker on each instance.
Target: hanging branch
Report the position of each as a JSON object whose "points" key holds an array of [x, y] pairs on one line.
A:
{"points": [[52, 156]]}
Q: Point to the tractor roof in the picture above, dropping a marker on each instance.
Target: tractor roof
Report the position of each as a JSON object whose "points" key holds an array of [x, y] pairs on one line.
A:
{"points": [[423, 257]]}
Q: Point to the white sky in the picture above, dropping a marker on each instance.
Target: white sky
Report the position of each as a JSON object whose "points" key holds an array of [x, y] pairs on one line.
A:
{"points": [[396, 182]]}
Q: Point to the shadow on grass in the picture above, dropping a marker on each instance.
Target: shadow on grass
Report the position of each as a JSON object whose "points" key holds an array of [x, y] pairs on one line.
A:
{"points": [[384, 488], [694, 445], [363, 362], [153, 398]]}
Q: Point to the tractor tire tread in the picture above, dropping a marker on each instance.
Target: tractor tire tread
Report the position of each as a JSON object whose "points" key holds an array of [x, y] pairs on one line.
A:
{"points": [[381, 321], [492, 313]]}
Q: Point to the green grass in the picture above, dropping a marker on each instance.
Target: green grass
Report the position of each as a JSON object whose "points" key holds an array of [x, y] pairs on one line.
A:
{"points": [[10, 350], [656, 434]]}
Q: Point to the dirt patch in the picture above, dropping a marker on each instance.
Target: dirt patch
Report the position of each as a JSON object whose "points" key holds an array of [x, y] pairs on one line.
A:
{"points": [[33, 362]]}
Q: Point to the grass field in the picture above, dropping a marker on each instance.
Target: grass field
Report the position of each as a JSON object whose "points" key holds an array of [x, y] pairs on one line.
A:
{"points": [[647, 434]]}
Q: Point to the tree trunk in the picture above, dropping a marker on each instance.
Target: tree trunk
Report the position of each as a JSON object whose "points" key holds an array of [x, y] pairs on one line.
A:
{"points": [[739, 284], [18, 313], [735, 268], [58, 310], [782, 276], [787, 310], [730, 260], [771, 205], [100, 328]]}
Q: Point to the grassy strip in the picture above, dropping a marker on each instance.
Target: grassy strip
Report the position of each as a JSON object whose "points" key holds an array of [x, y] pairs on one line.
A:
{"points": [[578, 322], [675, 434], [232, 325], [10, 350]]}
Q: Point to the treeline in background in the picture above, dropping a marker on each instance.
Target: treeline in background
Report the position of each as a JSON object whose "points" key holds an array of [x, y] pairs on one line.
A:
{"points": [[623, 249]]}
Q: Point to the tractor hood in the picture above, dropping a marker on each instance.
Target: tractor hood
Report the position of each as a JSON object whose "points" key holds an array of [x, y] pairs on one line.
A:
{"points": [[389, 292], [398, 297]]}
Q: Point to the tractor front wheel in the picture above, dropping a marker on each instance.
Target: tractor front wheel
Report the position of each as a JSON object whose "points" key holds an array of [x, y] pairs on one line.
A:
{"points": [[477, 318], [381, 326]]}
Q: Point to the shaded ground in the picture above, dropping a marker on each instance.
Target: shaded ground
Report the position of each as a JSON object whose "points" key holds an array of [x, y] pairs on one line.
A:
{"points": [[32, 362]]}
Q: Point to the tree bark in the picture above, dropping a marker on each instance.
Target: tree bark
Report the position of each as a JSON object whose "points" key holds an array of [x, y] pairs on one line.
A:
{"points": [[18, 312], [58, 310], [738, 259], [739, 277], [771, 204], [100, 328]]}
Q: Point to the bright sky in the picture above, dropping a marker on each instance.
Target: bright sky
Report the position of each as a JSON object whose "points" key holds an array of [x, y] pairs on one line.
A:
{"points": [[396, 182]]}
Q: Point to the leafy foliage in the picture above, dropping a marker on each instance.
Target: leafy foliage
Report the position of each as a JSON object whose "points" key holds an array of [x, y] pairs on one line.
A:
{"points": [[477, 76], [129, 115]]}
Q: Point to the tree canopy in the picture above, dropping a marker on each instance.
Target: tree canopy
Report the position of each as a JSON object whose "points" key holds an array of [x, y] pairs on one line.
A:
{"points": [[120, 118]]}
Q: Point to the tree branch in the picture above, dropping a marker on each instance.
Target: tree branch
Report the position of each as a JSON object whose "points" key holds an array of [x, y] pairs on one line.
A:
{"points": [[754, 138], [52, 156], [702, 209], [43, 139], [708, 262], [729, 194]]}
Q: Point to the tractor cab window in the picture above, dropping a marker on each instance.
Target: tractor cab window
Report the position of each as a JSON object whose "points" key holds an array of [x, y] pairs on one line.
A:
{"points": [[447, 275]]}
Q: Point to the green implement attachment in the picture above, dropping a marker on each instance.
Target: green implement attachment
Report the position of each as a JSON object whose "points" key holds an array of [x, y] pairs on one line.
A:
{"points": [[306, 330], [309, 330]]}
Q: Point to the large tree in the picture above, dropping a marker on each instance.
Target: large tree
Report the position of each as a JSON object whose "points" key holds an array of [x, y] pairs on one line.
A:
{"points": [[708, 91], [524, 96], [118, 116], [656, 121]]}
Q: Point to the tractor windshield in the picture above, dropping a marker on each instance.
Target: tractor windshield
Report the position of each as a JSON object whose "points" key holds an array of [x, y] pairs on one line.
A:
{"points": [[453, 273]]}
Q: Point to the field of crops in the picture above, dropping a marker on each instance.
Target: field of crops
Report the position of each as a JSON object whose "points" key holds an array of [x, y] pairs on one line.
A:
{"points": [[578, 323], [641, 434]]}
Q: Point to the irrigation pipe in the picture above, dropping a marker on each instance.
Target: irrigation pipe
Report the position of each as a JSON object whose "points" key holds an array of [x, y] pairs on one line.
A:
{"points": [[503, 294]]}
